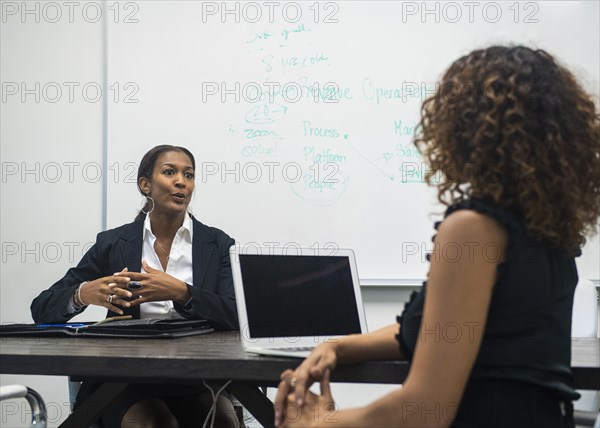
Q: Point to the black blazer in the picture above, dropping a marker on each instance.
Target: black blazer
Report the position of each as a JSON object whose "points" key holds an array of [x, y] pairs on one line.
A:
{"points": [[213, 296]]}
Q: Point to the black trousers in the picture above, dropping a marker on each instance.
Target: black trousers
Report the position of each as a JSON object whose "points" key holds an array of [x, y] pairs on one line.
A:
{"points": [[179, 399], [503, 404]]}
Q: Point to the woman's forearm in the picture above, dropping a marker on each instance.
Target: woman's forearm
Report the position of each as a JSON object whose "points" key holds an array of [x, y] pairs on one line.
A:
{"points": [[378, 345]]}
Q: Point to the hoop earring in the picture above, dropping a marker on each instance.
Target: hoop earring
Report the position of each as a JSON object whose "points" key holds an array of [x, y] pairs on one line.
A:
{"points": [[148, 200]]}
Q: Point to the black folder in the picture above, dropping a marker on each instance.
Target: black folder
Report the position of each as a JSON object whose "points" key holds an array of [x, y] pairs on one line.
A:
{"points": [[138, 328]]}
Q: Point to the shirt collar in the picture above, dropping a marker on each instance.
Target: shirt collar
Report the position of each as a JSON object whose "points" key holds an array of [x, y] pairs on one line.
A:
{"points": [[147, 228], [186, 226]]}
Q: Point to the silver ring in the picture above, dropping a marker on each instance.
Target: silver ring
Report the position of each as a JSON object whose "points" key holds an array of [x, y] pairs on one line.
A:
{"points": [[293, 382], [110, 298]]}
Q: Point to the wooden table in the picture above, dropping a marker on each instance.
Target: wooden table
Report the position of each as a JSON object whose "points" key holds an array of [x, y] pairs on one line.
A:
{"points": [[215, 356]]}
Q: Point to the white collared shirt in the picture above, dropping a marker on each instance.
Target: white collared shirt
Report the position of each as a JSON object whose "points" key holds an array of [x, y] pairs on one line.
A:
{"points": [[179, 265]]}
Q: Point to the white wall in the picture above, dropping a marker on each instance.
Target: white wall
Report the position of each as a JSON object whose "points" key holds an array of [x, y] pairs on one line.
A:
{"points": [[48, 211]]}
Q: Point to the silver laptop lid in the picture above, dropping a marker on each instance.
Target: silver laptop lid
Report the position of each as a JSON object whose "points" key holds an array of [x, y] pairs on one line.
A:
{"points": [[296, 296]]}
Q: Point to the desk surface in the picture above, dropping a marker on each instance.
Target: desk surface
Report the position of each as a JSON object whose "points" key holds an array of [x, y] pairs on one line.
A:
{"points": [[213, 356]]}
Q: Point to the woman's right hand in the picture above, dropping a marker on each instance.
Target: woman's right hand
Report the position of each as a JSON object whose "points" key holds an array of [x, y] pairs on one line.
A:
{"points": [[98, 292], [298, 381]]}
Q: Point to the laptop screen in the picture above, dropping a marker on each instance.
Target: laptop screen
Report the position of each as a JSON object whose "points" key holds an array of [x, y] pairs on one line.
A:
{"points": [[299, 296]]}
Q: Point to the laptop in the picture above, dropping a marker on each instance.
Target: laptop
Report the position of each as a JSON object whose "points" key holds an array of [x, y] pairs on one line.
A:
{"points": [[289, 300]]}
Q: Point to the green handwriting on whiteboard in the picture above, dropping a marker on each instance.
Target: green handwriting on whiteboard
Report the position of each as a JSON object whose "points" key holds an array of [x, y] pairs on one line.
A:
{"points": [[259, 133], [265, 113], [284, 34], [260, 150], [404, 129], [407, 91], [310, 131], [272, 61], [321, 191], [324, 155]]}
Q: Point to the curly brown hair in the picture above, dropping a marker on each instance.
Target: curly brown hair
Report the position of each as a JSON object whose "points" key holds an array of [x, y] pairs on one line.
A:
{"points": [[511, 125]]}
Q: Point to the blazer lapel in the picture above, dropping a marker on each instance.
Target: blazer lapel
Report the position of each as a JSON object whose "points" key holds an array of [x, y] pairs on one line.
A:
{"points": [[203, 248], [130, 248]]}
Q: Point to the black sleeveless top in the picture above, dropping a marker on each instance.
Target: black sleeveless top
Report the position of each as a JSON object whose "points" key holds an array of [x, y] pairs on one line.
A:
{"points": [[528, 332]]}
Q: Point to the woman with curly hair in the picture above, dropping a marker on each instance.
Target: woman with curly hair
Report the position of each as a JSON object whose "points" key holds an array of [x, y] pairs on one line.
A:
{"points": [[515, 143]]}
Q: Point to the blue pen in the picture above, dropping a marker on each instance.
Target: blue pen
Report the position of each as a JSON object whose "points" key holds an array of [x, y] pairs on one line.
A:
{"points": [[61, 325]]}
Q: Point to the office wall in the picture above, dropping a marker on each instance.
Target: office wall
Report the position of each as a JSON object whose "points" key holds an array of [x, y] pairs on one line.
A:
{"points": [[51, 150]]}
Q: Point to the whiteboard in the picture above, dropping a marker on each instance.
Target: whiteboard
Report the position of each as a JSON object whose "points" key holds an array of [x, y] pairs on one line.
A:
{"points": [[301, 118]]}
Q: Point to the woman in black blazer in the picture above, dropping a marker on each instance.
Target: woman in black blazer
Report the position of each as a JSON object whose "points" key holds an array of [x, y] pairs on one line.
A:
{"points": [[154, 250]]}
